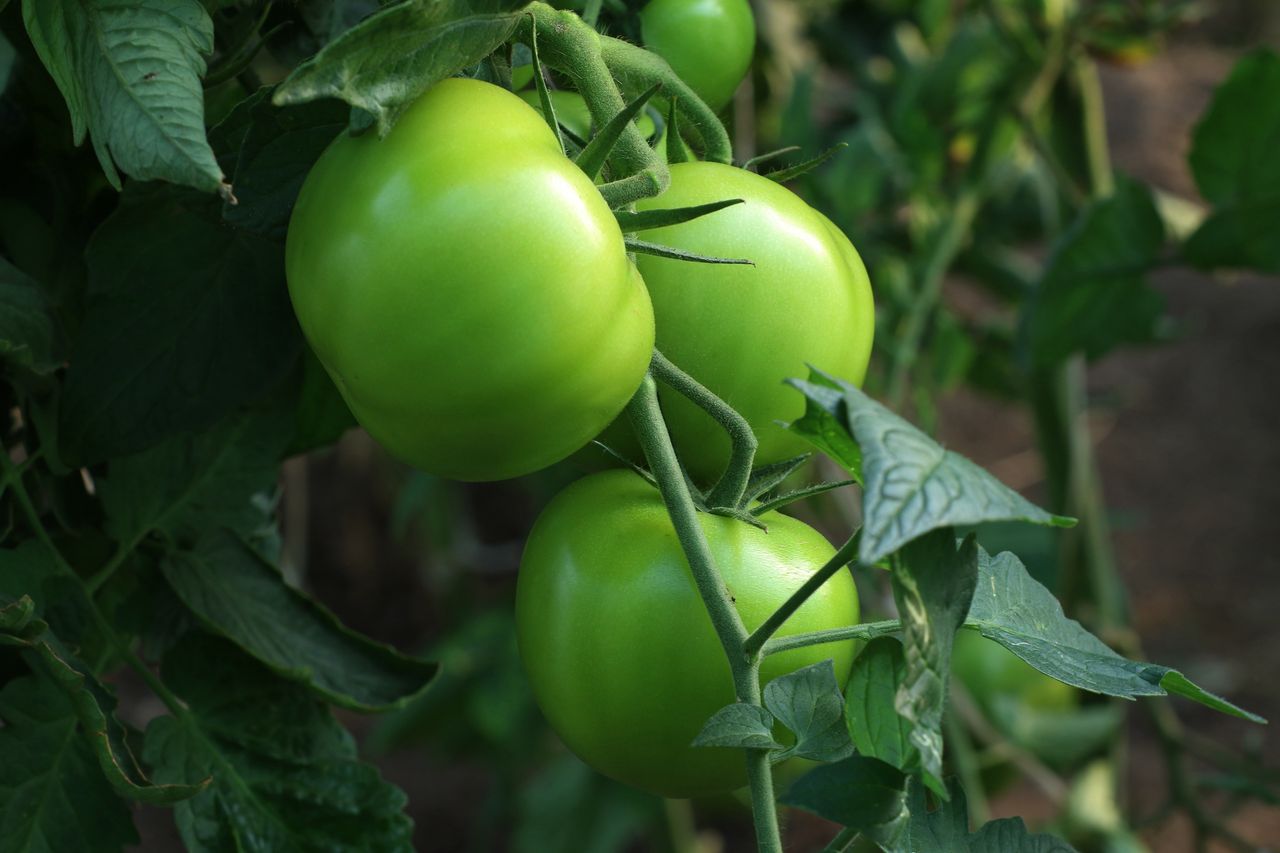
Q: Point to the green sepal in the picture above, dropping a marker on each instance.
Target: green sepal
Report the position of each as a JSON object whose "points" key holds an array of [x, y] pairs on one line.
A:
{"points": [[594, 156]]}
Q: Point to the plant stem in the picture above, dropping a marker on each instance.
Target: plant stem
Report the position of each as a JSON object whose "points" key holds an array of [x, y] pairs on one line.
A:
{"points": [[842, 842], [848, 553], [865, 631], [729, 490], [911, 331], [646, 418]]}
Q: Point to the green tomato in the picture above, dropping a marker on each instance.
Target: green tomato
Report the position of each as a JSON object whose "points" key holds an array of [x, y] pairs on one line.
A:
{"points": [[572, 112], [989, 671], [708, 43], [619, 648], [742, 330], [467, 288]]}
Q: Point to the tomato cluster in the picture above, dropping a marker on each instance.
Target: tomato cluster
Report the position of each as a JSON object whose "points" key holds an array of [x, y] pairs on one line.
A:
{"points": [[469, 291]]}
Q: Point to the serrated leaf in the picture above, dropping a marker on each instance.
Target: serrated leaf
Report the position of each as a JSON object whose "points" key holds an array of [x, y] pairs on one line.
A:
{"points": [[933, 585], [188, 319], [875, 726], [740, 726], [1093, 295], [946, 829], [53, 796], [809, 703], [1012, 608], [29, 334], [858, 792], [276, 150], [130, 74], [285, 774], [1233, 160], [238, 594], [195, 483], [384, 63], [913, 486]]}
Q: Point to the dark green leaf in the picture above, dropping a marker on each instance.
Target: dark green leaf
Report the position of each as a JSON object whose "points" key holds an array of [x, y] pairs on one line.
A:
{"points": [[875, 726], [912, 484], [645, 248], [642, 220], [285, 774], [29, 334], [1093, 295], [188, 319], [276, 151], [195, 483], [385, 62], [53, 796], [740, 726], [30, 571], [946, 830], [808, 702], [130, 74], [1011, 608], [860, 793], [933, 585], [234, 591]]}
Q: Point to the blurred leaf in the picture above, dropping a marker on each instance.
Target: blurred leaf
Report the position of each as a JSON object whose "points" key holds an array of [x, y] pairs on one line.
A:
{"points": [[933, 584], [567, 808], [29, 570], [187, 320], [1014, 610], [285, 774], [195, 483], [53, 795], [861, 793], [1060, 738], [913, 486], [322, 416], [874, 724], [946, 830], [138, 96], [1093, 295], [808, 702], [385, 62], [238, 594], [739, 726], [29, 333], [1235, 167]]}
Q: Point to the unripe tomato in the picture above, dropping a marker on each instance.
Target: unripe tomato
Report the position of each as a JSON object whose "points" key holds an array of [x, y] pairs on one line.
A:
{"points": [[467, 287], [708, 43], [742, 330], [619, 648]]}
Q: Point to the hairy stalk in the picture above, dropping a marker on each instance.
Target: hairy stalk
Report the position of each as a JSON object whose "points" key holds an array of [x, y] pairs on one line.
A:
{"points": [[865, 631], [569, 45], [732, 485], [848, 553], [646, 418], [638, 69]]}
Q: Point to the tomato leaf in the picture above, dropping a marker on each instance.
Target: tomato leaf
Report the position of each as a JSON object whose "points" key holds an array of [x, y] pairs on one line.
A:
{"points": [[946, 829], [933, 584], [29, 334], [740, 726], [808, 702], [187, 320], [1233, 160], [912, 484], [384, 63], [238, 594], [875, 726], [1093, 295], [285, 773], [139, 99], [53, 795], [1013, 609], [861, 793]]}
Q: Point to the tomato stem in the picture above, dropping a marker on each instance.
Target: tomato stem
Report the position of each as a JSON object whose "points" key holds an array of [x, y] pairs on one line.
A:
{"points": [[732, 485], [655, 440], [865, 631], [847, 554]]}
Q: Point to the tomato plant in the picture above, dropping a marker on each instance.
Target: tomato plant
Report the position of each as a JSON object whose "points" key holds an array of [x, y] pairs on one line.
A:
{"points": [[709, 43], [621, 654], [742, 330], [470, 357], [990, 671]]}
